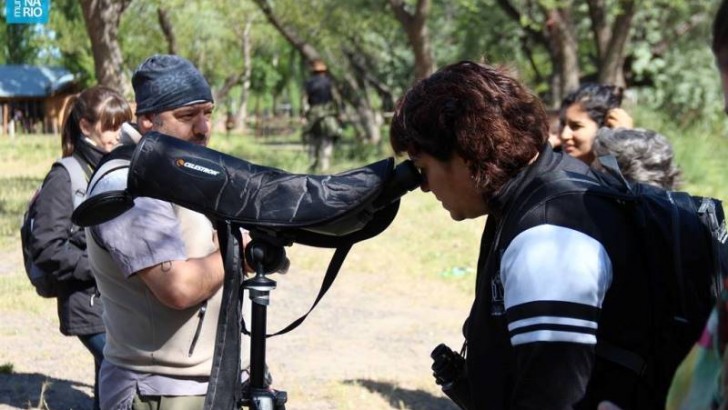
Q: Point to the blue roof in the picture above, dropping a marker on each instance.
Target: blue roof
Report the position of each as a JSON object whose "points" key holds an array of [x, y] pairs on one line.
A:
{"points": [[32, 81]]}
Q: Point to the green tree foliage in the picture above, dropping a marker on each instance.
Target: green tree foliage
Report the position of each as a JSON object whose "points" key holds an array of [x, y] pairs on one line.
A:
{"points": [[671, 63], [69, 41], [19, 43], [210, 34], [368, 52], [21, 46]]}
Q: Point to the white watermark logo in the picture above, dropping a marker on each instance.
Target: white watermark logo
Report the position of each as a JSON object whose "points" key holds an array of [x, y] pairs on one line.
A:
{"points": [[27, 11]]}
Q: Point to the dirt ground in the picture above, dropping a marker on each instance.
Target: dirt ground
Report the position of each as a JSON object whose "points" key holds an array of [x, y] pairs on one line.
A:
{"points": [[366, 345]]}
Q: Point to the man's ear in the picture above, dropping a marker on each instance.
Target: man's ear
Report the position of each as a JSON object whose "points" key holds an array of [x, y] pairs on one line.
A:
{"points": [[86, 127], [145, 123]]}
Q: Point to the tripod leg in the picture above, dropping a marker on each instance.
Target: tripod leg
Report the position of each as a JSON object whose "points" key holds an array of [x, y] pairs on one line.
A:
{"points": [[259, 396], [260, 301]]}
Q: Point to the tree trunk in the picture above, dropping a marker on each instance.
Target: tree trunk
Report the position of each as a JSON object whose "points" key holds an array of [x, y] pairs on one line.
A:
{"points": [[102, 19], [415, 25], [600, 27], [358, 60], [563, 49], [558, 38], [611, 69], [241, 116], [367, 120], [167, 29]]}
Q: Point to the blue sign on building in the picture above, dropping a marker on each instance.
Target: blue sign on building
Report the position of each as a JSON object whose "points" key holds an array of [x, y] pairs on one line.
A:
{"points": [[27, 11]]}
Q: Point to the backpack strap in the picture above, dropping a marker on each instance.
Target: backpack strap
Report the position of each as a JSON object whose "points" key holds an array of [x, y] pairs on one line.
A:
{"points": [[548, 188], [334, 266], [79, 178], [609, 163]]}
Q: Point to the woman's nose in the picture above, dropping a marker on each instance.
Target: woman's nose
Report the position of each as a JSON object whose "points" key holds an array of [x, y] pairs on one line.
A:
{"points": [[565, 134]]}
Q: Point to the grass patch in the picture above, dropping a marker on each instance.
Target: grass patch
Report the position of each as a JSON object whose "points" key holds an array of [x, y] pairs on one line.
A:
{"points": [[24, 161], [700, 152], [19, 295], [6, 368]]}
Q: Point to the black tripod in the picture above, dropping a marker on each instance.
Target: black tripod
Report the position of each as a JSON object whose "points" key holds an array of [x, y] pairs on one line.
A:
{"points": [[265, 258], [266, 255]]}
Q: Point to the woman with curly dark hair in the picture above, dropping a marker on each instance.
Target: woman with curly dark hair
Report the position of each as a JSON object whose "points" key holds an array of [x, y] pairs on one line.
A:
{"points": [[479, 138], [446, 116]]}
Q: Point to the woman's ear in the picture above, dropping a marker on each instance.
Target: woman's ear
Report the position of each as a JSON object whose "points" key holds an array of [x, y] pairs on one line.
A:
{"points": [[86, 127]]}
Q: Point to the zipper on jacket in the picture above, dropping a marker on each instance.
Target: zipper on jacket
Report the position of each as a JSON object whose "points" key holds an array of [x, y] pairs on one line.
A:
{"points": [[201, 316]]}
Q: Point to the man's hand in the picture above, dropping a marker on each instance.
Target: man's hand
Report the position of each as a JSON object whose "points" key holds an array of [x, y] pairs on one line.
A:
{"points": [[246, 240], [618, 118]]}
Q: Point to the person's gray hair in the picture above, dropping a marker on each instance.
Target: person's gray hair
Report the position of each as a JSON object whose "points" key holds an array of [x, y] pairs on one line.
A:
{"points": [[643, 156]]}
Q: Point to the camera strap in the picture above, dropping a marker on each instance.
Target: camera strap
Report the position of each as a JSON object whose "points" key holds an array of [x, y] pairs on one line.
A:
{"points": [[337, 260], [223, 391]]}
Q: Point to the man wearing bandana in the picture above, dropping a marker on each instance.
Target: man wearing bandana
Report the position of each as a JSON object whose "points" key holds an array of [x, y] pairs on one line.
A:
{"points": [[158, 266]]}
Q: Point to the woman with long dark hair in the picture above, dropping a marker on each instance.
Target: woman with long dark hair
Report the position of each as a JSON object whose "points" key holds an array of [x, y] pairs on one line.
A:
{"points": [[584, 111], [90, 129]]}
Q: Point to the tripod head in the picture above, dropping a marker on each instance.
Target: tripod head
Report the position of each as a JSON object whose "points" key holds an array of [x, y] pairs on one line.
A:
{"points": [[265, 257]]}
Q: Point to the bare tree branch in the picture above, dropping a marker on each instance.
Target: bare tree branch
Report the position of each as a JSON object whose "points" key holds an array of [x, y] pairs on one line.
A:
{"points": [[515, 15], [166, 25], [611, 65], [600, 27], [415, 26], [303, 47]]}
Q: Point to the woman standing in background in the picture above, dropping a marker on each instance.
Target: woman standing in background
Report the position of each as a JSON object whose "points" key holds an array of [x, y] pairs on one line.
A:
{"points": [[91, 129]]}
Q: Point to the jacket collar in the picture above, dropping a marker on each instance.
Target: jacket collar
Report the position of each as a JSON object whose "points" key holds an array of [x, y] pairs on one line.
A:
{"points": [[512, 189]]}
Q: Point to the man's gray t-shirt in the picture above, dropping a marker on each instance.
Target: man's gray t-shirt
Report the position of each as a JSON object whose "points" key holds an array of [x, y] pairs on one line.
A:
{"points": [[146, 235]]}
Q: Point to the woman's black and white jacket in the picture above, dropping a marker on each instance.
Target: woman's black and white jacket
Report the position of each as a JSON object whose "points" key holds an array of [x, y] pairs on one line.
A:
{"points": [[541, 299]]}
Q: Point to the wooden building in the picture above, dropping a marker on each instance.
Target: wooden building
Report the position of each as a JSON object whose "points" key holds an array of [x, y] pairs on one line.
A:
{"points": [[33, 98]]}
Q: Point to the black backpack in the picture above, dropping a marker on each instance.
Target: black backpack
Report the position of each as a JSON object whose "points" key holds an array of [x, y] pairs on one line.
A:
{"points": [[43, 282], [686, 252]]}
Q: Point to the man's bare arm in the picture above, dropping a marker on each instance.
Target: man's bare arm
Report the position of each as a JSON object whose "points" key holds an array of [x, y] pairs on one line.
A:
{"points": [[183, 284]]}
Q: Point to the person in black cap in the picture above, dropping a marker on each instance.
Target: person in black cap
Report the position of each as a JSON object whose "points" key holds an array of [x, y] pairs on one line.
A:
{"points": [[158, 265], [322, 126]]}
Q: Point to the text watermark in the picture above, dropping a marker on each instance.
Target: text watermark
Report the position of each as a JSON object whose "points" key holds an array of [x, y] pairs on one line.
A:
{"points": [[27, 11]]}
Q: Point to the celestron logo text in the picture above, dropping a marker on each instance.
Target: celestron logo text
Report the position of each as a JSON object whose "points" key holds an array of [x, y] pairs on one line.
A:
{"points": [[196, 167]]}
